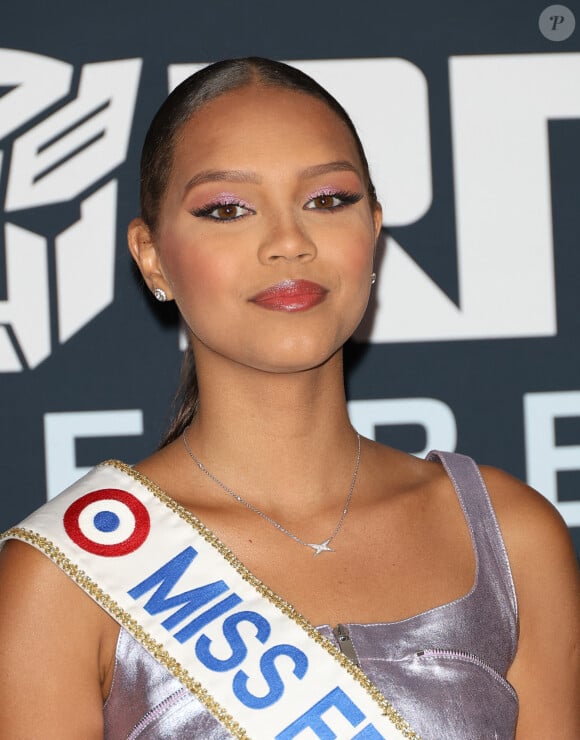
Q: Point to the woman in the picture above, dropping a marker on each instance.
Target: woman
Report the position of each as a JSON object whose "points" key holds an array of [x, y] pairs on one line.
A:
{"points": [[260, 220]]}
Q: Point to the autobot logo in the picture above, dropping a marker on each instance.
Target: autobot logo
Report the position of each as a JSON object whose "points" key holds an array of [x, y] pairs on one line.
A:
{"points": [[61, 137]]}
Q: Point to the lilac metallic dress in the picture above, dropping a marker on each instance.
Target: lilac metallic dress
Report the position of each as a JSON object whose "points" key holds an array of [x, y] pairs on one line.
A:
{"points": [[443, 670]]}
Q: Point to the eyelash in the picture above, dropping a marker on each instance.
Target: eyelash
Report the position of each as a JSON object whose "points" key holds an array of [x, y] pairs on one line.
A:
{"points": [[346, 199], [206, 211]]}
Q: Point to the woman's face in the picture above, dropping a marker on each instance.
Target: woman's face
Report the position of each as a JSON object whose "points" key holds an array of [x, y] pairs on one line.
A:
{"points": [[266, 236]]}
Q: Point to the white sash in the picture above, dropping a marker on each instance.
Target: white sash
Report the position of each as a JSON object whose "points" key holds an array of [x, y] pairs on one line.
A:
{"points": [[254, 662]]}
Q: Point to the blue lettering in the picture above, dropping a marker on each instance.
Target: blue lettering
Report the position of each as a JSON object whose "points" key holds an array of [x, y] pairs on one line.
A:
{"points": [[270, 673], [216, 611], [165, 579], [370, 732], [312, 719], [239, 649]]}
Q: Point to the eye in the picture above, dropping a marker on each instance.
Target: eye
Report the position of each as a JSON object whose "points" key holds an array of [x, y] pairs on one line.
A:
{"points": [[324, 201], [223, 211], [332, 201]]}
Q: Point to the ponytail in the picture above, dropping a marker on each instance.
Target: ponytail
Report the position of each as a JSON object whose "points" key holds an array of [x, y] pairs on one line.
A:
{"points": [[186, 400]]}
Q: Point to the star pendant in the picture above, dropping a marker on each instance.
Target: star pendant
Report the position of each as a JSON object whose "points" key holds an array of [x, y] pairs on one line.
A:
{"points": [[322, 547]]}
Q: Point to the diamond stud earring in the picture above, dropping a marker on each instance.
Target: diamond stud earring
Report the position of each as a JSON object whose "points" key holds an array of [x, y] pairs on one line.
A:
{"points": [[160, 294]]}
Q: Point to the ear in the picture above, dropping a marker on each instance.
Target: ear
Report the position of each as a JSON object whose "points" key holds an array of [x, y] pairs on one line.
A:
{"points": [[144, 252], [377, 220]]}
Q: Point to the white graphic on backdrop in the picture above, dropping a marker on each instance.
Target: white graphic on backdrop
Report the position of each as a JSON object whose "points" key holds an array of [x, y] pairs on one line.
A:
{"points": [[55, 161], [500, 108], [545, 458], [434, 416], [61, 430]]}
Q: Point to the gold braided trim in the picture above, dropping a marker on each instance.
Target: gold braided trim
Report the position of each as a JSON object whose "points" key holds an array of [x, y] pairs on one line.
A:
{"points": [[386, 707], [131, 625]]}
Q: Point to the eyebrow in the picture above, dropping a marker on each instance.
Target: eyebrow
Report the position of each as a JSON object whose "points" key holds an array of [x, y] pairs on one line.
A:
{"points": [[341, 165], [221, 176], [253, 178]]}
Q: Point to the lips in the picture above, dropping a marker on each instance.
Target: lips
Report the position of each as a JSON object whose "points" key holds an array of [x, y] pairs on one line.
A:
{"points": [[290, 296]]}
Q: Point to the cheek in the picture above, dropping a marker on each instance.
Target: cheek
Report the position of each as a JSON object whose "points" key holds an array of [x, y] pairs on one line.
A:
{"points": [[192, 268], [357, 254], [361, 258], [206, 290]]}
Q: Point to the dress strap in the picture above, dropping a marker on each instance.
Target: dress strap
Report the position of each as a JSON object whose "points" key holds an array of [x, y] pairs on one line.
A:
{"points": [[492, 565]]}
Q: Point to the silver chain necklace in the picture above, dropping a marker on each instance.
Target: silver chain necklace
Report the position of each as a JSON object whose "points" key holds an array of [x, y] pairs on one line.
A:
{"points": [[318, 548]]}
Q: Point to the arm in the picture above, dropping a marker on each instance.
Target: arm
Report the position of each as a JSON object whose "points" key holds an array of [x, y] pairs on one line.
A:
{"points": [[51, 666], [546, 669]]}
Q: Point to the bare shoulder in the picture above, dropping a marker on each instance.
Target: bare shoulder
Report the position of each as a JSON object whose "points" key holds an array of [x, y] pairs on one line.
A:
{"points": [[403, 469], [528, 521], [546, 668], [536, 537], [36, 590], [24, 571], [537, 540], [46, 620]]}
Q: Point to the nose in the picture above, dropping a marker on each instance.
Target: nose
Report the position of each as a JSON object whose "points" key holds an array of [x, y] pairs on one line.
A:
{"points": [[286, 239]]}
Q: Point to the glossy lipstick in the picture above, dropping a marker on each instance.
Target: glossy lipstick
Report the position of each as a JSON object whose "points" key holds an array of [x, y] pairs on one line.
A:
{"points": [[290, 296]]}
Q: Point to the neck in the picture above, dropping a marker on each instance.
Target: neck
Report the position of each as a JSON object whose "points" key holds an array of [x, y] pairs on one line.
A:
{"points": [[279, 436]]}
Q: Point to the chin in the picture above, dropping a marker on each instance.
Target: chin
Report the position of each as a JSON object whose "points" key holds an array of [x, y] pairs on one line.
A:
{"points": [[298, 362]]}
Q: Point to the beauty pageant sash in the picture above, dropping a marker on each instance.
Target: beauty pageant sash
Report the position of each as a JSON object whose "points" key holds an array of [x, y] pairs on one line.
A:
{"points": [[258, 666]]}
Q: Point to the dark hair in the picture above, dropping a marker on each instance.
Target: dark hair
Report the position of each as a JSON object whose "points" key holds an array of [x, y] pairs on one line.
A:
{"points": [[157, 162]]}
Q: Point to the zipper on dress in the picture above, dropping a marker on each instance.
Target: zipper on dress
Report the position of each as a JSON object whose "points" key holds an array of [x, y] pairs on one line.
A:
{"points": [[157, 711], [468, 658], [342, 636]]}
